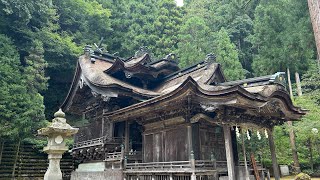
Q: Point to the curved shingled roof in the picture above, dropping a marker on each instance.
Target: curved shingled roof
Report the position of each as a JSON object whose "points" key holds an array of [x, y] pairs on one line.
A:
{"points": [[204, 81], [236, 96], [94, 71]]}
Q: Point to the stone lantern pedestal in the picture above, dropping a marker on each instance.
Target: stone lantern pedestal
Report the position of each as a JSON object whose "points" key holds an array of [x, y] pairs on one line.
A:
{"points": [[56, 132]]}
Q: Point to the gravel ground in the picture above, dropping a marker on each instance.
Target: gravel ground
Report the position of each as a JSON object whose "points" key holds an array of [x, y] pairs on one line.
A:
{"points": [[291, 177]]}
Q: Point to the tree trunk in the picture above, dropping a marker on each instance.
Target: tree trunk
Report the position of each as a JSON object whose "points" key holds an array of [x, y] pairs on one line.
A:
{"points": [[16, 159], [314, 9], [291, 133], [298, 84], [273, 155], [293, 147], [1, 150], [311, 156], [289, 83]]}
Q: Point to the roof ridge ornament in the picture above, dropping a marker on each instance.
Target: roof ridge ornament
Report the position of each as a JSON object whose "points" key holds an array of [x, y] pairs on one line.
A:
{"points": [[142, 50], [99, 47], [87, 50], [210, 58], [171, 57]]}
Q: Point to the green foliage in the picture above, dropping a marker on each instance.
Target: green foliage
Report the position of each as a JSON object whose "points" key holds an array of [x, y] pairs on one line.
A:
{"points": [[311, 83], [234, 16], [40, 42], [302, 176], [282, 36], [85, 21], [34, 69], [167, 24], [22, 109], [227, 56], [194, 41]]}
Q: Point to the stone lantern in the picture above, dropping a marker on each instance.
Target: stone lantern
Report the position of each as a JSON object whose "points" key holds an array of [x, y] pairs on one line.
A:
{"points": [[56, 133]]}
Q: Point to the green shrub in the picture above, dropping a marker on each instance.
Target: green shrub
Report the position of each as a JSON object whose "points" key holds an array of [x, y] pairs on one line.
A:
{"points": [[302, 176]]}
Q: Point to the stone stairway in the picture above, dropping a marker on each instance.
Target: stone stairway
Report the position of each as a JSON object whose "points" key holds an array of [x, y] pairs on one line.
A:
{"points": [[30, 163]]}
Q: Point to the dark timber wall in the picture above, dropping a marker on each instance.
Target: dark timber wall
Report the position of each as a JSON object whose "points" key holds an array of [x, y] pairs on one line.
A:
{"points": [[167, 144], [212, 141], [30, 163]]}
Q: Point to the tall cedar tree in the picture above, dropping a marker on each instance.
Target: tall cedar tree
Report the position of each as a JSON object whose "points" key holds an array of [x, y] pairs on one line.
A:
{"points": [[282, 36], [22, 109], [227, 56]]}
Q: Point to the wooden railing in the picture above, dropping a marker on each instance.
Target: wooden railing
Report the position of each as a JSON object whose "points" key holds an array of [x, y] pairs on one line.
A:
{"points": [[88, 143], [205, 164], [113, 156], [221, 164], [134, 156], [158, 165], [198, 165], [97, 142]]}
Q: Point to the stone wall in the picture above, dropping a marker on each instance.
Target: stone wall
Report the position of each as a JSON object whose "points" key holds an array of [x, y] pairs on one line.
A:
{"points": [[114, 174]]}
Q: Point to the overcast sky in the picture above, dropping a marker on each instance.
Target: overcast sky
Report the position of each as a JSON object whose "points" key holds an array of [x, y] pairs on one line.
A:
{"points": [[179, 2]]}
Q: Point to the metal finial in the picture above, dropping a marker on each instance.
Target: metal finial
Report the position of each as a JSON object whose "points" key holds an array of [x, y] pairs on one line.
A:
{"points": [[59, 114]]}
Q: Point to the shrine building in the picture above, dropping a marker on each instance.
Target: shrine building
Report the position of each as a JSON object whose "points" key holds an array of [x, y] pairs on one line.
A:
{"points": [[151, 120]]}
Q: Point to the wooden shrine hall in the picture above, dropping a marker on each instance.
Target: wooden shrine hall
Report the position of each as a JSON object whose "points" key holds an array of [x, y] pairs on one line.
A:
{"points": [[151, 120]]}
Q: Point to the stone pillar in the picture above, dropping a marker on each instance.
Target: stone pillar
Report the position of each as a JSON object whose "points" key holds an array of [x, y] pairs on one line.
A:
{"points": [[54, 171], [56, 133], [273, 156], [229, 152]]}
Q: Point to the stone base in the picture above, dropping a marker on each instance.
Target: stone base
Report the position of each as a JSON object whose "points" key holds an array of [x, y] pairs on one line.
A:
{"points": [[241, 173], [91, 167], [114, 174], [251, 177]]}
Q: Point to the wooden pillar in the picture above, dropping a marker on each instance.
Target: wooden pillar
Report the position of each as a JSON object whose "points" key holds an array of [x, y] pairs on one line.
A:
{"points": [[229, 152], [195, 140], [190, 144], [191, 154], [273, 156], [244, 155], [235, 147], [126, 137], [102, 127], [122, 157]]}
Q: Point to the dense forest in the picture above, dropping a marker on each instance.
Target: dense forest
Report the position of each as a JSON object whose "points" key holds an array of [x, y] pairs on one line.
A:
{"points": [[40, 42]]}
